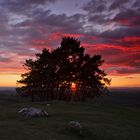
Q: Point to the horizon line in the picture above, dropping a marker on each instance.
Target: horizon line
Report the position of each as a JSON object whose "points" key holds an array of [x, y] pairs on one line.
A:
{"points": [[108, 87]]}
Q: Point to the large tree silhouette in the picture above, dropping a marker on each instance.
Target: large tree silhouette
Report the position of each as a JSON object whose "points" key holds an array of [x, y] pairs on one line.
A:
{"points": [[62, 67]]}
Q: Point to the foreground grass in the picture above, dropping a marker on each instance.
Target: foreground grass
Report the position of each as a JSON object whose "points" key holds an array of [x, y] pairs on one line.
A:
{"points": [[101, 120]]}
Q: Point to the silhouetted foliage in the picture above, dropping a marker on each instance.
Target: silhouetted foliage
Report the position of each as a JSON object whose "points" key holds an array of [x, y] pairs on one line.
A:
{"points": [[60, 68]]}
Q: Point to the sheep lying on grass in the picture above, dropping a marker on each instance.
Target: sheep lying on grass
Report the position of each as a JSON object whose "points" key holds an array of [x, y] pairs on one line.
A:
{"points": [[33, 112]]}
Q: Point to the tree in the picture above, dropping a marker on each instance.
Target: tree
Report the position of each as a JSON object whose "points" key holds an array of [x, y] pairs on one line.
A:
{"points": [[63, 67]]}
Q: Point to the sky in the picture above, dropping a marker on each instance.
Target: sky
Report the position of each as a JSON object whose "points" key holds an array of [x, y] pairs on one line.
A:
{"points": [[110, 28]]}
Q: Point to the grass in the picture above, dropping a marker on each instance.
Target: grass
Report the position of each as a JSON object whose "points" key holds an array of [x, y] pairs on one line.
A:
{"points": [[115, 117]]}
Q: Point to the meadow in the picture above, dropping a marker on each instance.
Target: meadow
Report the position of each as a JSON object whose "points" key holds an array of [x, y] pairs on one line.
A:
{"points": [[111, 117]]}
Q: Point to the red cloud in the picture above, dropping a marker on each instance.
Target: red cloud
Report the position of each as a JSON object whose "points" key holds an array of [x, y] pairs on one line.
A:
{"points": [[59, 35], [39, 44], [118, 59], [131, 21], [52, 40], [73, 35], [104, 46], [125, 22], [132, 39]]}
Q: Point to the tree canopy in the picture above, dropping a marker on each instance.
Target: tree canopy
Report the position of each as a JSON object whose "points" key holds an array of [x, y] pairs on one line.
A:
{"points": [[64, 66]]}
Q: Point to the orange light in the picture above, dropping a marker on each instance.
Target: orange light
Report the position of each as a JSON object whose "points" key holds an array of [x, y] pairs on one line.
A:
{"points": [[73, 85]]}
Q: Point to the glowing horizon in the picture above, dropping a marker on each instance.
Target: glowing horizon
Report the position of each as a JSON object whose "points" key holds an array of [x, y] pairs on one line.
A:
{"points": [[10, 80]]}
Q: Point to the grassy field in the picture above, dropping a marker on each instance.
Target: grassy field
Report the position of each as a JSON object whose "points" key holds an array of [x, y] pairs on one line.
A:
{"points": [[114, 117]]}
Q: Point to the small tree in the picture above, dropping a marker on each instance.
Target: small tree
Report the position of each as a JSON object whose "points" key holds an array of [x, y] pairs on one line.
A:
{"points": [[64, 66]]}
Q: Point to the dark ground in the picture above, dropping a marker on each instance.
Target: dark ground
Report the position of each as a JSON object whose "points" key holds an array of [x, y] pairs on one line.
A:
{"points": [[112, 117]]}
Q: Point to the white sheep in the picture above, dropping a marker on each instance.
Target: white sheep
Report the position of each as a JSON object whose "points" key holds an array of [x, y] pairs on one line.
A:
{"points": [[33, 112]]}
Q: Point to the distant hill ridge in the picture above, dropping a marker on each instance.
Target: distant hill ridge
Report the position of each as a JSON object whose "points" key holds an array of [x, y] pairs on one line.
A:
{"points": [[7, 90]]}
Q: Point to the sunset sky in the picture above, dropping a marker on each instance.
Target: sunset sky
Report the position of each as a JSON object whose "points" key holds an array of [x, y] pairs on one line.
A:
{"points": [[107, 27]]}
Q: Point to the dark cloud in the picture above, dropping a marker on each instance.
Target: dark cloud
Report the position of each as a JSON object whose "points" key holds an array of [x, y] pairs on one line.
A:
{"points": [[121, 33], [131, 60], [67, 23], [95, 6], [130, 77], [21, 6], [4, 59], [136, 4], [129, 17], [118, 4], [106, 11], [110, 52], [128, 71], [127, 14]]}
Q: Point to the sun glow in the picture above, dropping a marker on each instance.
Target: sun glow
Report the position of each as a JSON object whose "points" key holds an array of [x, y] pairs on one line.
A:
{"points": [[73, 85], [126, 81], [8, 80]]}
